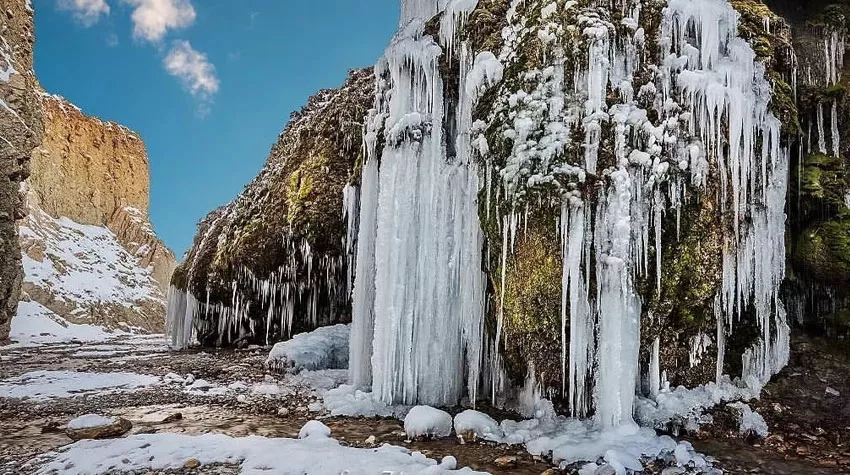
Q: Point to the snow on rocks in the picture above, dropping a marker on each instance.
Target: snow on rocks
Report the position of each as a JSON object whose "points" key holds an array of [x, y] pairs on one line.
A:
{"points": [[95, 426], [472, 425], [35, 325], [427, 421], [84, 264], [685, 407], [750, 423], [256, 455], [324, 348], [314, 429], [45, 385], [347, 400]]}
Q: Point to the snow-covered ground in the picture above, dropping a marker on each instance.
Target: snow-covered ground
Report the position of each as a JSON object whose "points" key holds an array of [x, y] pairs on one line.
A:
{"points": [[45, 385], [316, 453], [34, 325], [82, 264]]}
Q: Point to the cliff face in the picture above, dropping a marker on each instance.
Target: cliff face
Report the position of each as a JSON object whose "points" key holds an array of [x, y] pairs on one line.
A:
{"points": [[645, 178], [90, 252], [20, 132], [87, 169], [274, 260]]}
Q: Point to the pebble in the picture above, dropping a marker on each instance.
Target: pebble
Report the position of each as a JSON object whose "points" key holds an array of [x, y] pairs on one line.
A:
{"points": [[506, 461], [192, 463]]}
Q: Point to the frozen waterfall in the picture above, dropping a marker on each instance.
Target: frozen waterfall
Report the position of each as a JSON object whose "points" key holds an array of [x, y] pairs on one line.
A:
{"points": [[419, 295]]}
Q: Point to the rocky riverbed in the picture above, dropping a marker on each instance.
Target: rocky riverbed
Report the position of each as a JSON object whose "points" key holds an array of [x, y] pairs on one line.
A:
{"points": [[231, 392]]}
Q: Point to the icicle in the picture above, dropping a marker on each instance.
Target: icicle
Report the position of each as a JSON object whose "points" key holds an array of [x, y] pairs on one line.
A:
{"points": [[655, 369], [821, 133], [836, 135], [363, 307]]}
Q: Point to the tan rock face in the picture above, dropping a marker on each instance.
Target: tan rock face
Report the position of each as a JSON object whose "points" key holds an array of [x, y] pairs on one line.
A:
{"points": [[20, 132], [96, 172], [87, 169], [90, 252]]}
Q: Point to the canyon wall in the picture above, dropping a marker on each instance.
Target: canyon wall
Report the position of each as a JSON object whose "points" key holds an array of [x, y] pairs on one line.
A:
{"points": [[20, 132], [90, 252]]}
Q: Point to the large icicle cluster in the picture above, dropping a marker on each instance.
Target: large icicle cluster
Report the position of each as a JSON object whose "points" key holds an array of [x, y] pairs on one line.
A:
{"points": [[696, 122], [709, 101], [417, 335]]}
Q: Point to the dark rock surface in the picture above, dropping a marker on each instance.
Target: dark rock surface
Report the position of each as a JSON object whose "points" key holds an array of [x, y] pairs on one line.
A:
{"points": [[21, 129]]}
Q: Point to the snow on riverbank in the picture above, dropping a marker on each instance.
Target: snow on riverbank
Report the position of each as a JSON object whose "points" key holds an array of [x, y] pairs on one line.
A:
{"points": [[35, 325], [316, 454], [46, 385]]}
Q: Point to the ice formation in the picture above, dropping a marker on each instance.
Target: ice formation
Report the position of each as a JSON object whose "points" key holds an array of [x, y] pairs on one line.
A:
{"points": [[419, 290], [426, 421], [419, 293], [323, 348]]}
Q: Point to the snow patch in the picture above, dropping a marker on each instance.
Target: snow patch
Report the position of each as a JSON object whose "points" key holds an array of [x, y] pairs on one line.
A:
{"points": [[426, 421], [256, 455]]}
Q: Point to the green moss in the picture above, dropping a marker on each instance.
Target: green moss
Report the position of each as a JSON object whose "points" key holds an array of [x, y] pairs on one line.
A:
{"points": [[823, 181], [822, 251], [532, 302]]}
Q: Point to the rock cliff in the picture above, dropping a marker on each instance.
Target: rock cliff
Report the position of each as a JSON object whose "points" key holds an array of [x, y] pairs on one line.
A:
{"points": [[90, 252], [274, 261], [649, 175], [20, 132]]}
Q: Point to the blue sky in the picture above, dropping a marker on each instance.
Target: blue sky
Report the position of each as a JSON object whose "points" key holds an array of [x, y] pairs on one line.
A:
{"points": [[208, 84]]}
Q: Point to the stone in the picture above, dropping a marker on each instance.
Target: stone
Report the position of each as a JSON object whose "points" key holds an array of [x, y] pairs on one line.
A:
{"points": [[21, 128], [283, 411], [606, 470], [117, 428], [506, 461], [192, 463], [172, 418]]}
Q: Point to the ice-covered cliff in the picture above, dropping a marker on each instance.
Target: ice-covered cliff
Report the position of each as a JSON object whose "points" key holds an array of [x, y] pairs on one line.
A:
{"points": [[277, 260], [590, 200]]}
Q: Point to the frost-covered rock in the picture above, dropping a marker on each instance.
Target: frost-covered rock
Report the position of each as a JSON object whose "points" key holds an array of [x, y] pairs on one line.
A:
{"points": [[314, 430], [471, 425], [95, 426], [750, 423], [426, 421], [323, 348]]}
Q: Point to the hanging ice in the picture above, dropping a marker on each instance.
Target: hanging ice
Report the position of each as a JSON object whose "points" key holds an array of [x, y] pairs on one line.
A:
{"points": [[428, 307]]}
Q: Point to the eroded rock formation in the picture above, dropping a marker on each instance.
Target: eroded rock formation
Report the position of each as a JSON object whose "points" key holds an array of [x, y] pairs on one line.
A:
{"points": [[90, 252], [20, 132]]}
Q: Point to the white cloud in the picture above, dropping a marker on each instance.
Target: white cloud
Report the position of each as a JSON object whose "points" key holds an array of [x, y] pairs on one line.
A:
{"points": [[153, 18], [87, 12], [195, 72]]}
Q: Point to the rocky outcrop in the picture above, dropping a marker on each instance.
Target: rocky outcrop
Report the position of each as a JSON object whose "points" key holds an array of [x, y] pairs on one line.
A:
{"points": [[87, 169], [625, 122], [90, 252], [20, 132], [274, 260]]}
